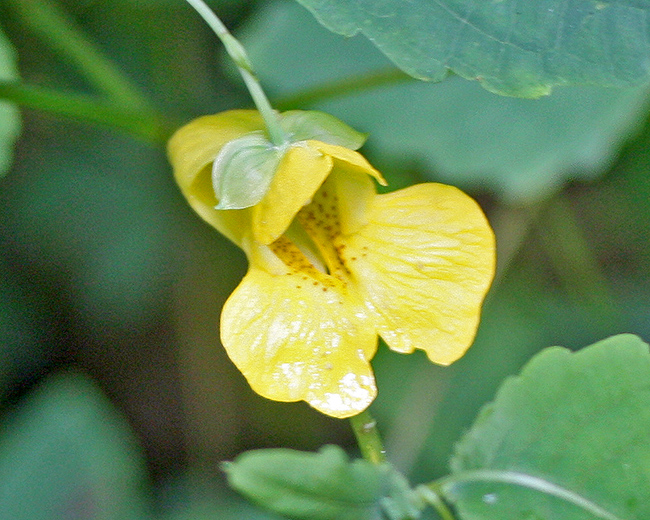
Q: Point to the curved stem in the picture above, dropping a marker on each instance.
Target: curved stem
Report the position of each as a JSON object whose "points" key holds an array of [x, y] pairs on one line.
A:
{"points": [[238, 54], [63, 36], [365, 430], [449, 484], [431, 495], [142, 124]]}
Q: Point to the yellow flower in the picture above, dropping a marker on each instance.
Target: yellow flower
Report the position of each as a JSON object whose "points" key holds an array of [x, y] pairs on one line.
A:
{"points": [[333, 265]]}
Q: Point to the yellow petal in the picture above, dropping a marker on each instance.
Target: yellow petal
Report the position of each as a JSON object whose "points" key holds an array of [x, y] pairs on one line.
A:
{"points": [[424, 263], [353, 159], [300, 173], [191, 151], [294, 341], [355, 194]]}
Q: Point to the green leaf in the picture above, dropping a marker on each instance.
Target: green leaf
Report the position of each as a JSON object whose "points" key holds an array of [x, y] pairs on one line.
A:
{"points": [[320, 486], [460, 134], [565, 440], [9, 116], [67, 454], [512, 48], [303, 125], [243, 171]]}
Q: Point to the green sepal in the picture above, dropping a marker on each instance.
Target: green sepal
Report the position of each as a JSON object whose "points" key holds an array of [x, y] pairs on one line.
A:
{"points": [[244, 169], [304, 125], [322, 486]]}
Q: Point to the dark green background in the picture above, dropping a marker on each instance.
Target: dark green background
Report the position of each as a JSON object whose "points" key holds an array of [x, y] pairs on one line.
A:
{"points": [[111, 288]]}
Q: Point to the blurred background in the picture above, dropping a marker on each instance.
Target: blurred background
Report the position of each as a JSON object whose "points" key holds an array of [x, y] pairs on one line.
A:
{"points": [[116, 398]]}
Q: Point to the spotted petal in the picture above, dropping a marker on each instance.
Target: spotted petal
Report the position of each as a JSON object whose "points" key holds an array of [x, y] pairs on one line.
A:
{"points": [[423, 263], [294, 340]]}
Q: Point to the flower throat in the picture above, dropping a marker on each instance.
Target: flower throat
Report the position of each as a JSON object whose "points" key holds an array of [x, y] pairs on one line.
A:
{"points": [[320, 221]]}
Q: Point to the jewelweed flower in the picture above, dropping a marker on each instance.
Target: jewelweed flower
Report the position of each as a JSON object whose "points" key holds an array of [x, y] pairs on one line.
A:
{"points": [[333, 265]]}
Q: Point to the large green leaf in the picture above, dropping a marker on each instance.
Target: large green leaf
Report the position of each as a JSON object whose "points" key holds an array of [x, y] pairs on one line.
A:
{"points": [[565, 440], [460, 133], [321, 486], [67, 454], [511, 47], [9, 117]]}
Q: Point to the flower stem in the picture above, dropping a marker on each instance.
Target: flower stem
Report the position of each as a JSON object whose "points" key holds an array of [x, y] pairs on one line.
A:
{"points": [[63, 36], [365, 430], [142, 124], [238, 54]]}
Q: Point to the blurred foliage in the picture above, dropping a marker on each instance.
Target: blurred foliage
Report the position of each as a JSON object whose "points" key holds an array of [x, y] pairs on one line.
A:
{"points": [[9, 117], [66, 454], [104, 268]]}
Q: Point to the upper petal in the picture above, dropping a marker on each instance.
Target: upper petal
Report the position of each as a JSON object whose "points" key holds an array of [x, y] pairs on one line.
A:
{"points": [[424, 263], [354, 160], [301, 172], [294, 340], [193, 148]]}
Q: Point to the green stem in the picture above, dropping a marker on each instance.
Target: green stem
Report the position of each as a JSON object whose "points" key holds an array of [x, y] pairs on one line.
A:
{"points": [[365, 430], [141, 124], [450, 484], [431, 494], [64, 37], [350, 85], [238, 54]]}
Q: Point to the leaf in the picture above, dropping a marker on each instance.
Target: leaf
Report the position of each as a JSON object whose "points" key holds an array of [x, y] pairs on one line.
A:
{"points": [[67, 454], [460, 134], [513, 48], [565, 440], [320, 486], [9, 116]]}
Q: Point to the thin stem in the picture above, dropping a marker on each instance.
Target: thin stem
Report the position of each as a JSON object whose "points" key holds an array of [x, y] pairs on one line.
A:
{"points": [[238, 54], [342, 87], [141, 124], [431, 495], [365, 430], [64, 37], [449, 484]]}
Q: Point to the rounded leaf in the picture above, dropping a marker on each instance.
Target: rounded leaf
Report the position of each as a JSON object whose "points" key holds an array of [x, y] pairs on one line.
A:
{"points": [[567, 439]]}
